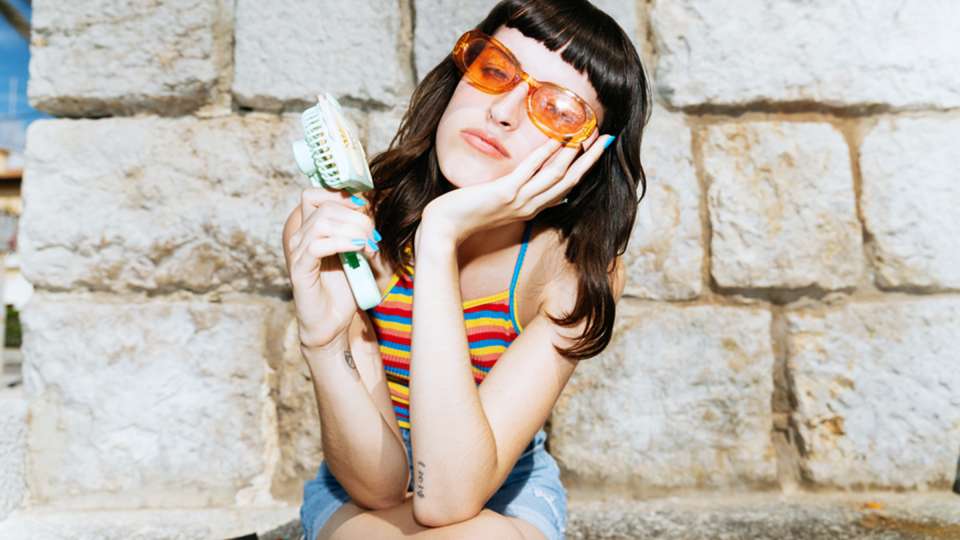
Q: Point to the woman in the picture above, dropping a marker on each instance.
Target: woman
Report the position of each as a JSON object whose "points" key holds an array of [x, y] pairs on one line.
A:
{"points": [[520, 151]]}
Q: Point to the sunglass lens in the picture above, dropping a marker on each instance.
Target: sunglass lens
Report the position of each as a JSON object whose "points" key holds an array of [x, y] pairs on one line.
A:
{"points": [[487, 66], [558, 110]]}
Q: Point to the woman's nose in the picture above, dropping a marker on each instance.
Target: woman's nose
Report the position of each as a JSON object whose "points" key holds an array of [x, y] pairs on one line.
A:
{"points": [[508, 108]]}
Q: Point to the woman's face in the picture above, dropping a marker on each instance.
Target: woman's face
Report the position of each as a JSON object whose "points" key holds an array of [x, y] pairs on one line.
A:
{"points": [[502, 117]]}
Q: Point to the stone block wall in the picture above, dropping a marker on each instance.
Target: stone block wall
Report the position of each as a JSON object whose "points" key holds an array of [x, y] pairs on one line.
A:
{"points": [[792, 313]]}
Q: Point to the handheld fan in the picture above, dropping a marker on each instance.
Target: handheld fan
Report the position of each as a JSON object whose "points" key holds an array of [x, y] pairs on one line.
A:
{"points": [[331, 156]]}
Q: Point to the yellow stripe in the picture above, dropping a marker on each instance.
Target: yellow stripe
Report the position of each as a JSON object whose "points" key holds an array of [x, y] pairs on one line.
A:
{"points": [[394, 352], [393, 281], [486, 299], [488, 350], [401, 297], [487, 321], [403, 423], [393, 325], [399, 388]]}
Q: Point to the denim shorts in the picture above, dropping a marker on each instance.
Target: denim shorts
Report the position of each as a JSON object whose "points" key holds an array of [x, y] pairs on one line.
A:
{"points": [[532, 492]]}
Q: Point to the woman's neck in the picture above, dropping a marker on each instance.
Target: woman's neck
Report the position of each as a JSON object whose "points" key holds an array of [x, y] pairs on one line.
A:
{"points": [[490, 241]]}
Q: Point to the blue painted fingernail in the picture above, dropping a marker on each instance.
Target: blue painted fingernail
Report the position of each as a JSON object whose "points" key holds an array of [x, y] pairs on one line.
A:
{"points": [[373, 245], [609, 142], [376, 236], [358, 241], [357, 200]]}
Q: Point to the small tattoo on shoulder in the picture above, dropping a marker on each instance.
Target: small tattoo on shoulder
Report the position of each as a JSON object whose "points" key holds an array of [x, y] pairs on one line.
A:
{"points": [[420, 467], [349, 358]]}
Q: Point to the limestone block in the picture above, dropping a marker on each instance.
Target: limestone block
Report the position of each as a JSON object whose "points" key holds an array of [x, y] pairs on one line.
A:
{"points": [[101, 57], [911, 201], [383, 126], [151, 403], [298, 419], [13, 439], [437, 26], [439, 23], [665, 253], [782, 206], [877, 392], [288, 52], [680, 399], [269, 522], [855, 53], [158, 204]]}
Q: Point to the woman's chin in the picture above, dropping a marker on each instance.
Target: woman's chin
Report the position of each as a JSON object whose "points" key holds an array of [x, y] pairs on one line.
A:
{"points": [[470, 168]]}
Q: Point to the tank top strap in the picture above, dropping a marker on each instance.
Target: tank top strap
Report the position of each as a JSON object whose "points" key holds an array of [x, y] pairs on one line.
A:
{"points": [[528, 228]]}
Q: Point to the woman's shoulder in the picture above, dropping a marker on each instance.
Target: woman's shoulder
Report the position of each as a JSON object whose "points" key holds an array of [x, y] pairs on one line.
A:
{"points": [[554, 277], [559, 278]]}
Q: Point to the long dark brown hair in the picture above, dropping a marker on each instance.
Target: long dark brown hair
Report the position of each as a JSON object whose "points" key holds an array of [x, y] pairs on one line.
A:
{"points": [[597, 219]]}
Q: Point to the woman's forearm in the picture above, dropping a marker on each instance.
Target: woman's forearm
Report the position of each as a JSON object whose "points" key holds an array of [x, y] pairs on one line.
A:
{"points": [[363, 451], [454, 449]]}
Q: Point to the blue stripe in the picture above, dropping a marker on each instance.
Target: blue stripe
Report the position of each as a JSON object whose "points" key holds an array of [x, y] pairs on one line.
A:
{"points": [[397, 371], [393, 318], [488, 342], [400, 411], [393, 345], [400, 289], [486, 314], [516, 272]]}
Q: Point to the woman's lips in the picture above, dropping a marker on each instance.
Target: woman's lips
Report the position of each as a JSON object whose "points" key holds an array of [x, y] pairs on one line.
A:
{"points": [[482, 145]]}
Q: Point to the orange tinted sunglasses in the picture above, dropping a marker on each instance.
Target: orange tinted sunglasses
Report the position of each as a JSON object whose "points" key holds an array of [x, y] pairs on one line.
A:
{"points": [[490, 66]]}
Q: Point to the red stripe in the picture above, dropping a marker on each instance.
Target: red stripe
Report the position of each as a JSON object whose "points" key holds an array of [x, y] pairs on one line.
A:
{"points": [[487, 335], [493, 306], [394, 311]]}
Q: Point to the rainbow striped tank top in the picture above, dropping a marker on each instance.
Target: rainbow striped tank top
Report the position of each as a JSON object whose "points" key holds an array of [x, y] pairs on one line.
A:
{"points": [[491, 324]]}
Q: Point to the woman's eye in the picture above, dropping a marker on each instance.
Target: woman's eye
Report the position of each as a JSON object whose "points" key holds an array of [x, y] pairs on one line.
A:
{"points": [[494, 72], [564, 115]]}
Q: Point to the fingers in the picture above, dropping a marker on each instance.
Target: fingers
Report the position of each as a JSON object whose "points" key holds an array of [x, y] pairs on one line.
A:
{"points": [[313, 197], [575, 172], [554, 169], [335, 224], [589, 140], [526, 168]]}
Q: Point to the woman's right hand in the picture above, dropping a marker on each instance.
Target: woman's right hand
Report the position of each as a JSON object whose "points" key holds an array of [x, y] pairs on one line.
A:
{"points": [[329, 222]]}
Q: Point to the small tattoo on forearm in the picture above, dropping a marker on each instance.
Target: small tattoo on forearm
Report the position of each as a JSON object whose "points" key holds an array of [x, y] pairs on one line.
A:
{"points": [[349, 358], [420, 466]]}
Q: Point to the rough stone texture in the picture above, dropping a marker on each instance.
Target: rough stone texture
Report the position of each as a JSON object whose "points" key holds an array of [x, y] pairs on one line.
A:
{"points": [[681, 398], [101, 57], [298, 420], [13, 438], [782, 206], [439, 23], [382, 127], [769, 516], [911, 201], [155, 403], [268, 523], [665, 253], [157, 204], [288, 52], [876, 387], [863, 52]]}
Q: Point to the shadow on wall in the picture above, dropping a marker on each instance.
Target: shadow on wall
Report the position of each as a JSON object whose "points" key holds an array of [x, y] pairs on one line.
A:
{"points": [[956, 481]]}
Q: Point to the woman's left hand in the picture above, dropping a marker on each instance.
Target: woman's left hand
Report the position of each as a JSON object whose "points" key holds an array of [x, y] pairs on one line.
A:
{"points": [[518, 196]]}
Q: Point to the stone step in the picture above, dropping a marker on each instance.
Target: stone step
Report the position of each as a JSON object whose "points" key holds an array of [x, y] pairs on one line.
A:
{"points": [[270, 523], [799, 516], [754, 516], [13, 440]]}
